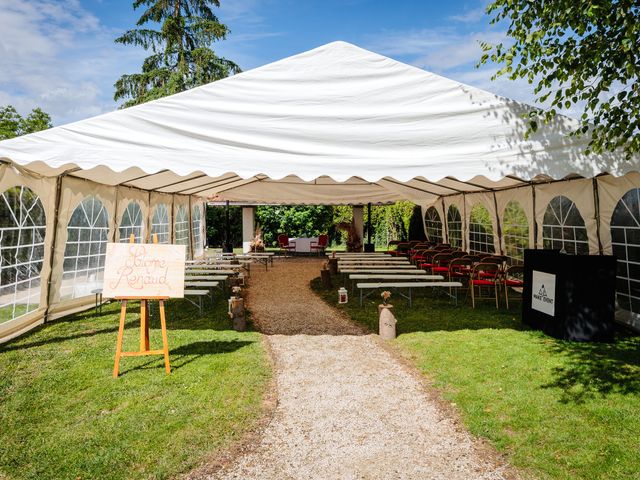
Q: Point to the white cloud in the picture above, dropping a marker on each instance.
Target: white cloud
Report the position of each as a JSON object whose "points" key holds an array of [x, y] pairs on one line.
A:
{"points": [[59, 57], [244, 11], [470, 16], [437, 50], [62, 58], [414, 42]]}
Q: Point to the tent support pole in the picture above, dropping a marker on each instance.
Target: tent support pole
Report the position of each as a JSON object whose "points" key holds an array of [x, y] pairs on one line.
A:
{"points": [[146, 175], [596, 205], [249, 181], [191, 242], [227, 237], [179, 182], [369, 223], [498, 224], [456, 190], [209, 185], [465, 240], [172, 237], [535, 217], [54, 239], [115, 216], [149, 237], [422, 190], [445, 226]]}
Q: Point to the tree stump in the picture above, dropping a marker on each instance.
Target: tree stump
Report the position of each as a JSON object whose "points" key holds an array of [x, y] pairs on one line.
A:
{"points": [[333, 266], [325, 275], [236, 312], [387, 322]]}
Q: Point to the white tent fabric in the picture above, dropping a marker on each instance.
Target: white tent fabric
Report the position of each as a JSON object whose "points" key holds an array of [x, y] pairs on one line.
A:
{"points": [[337, 124]]}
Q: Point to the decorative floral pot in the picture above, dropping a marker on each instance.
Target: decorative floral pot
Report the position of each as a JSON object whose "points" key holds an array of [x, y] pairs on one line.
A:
{"points": [[387, 322]]}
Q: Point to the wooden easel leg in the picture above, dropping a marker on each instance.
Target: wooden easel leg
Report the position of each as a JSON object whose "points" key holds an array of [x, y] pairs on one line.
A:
{"points": [[165, 342], [123, 314], [144, 326]]}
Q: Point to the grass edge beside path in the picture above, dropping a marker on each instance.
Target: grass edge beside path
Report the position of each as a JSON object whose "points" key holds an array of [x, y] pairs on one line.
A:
{"points": [[64, 416], [556, 409]]}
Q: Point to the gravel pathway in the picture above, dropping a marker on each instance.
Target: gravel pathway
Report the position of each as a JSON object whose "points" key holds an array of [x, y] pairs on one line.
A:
{"points": [[346, 408]]}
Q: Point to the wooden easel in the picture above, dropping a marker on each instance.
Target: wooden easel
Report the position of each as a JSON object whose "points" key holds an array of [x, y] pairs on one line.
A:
{"points": [[144, 328]]}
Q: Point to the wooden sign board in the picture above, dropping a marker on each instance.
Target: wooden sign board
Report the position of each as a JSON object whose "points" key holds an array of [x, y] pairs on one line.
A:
{"points": [[144, 270]]}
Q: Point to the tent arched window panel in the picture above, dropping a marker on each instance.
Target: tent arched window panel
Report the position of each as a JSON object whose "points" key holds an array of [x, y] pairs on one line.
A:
{"points": [[454, 226], [516, 231], [480, 230], [85, 250], [196, 226], [22, 232], [182, 227], [433, 225], [563, 227], [625, 243], [132, 223], [160, 223]]}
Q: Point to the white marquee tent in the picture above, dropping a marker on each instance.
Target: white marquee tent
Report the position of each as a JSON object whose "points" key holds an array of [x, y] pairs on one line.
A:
{"points": [[334, 125]]}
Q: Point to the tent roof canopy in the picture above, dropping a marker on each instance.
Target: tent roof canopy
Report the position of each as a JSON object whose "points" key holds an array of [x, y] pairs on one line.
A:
{"points": [[336, 124]]}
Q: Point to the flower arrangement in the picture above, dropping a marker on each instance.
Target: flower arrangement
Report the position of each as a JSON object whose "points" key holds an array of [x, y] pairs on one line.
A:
{"points": [[236, 291], [257, 244], [386, 295]]}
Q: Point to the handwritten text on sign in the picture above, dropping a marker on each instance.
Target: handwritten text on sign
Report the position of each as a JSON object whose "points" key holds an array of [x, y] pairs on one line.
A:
{"points": [[144, 270]]}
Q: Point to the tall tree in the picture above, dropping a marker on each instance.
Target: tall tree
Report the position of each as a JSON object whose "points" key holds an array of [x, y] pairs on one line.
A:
{"points": [[577, 52], [182, 57], [12, 124]]}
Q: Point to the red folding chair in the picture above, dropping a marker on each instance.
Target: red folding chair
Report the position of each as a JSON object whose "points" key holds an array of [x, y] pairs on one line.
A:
{"points": [[513, 279], [321, 245], [285, 245], [484, 278], [441, 264]]}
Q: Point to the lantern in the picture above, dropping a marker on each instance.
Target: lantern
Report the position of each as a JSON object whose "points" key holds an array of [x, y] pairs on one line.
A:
{"points": [[342, 295]]}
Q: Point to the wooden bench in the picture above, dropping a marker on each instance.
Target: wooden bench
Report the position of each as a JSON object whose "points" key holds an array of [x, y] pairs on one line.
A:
{"points": [[388, 271], [379, 267], [207, 278], [406, 275], [203, 284], [210, 271], [237, 264], [98, 293], [231, 263], [371, 260], [265, 258], [195, 293], [399, 285], [358, 255], [394, 276]]}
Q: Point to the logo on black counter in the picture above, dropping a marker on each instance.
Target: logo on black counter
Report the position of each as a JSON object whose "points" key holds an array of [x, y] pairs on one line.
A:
{"points": [[543, 292], [542, 296]]}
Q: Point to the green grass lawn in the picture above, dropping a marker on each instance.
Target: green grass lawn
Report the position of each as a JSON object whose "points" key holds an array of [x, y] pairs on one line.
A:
{"points": [[63, 416], [7, 312], [559, 410]]}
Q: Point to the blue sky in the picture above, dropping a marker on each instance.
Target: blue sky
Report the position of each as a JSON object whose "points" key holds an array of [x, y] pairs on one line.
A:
{"points": [[60, 54]]}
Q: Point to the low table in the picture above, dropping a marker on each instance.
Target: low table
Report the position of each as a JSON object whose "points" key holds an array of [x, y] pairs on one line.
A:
{"points": [[303, 244]]}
